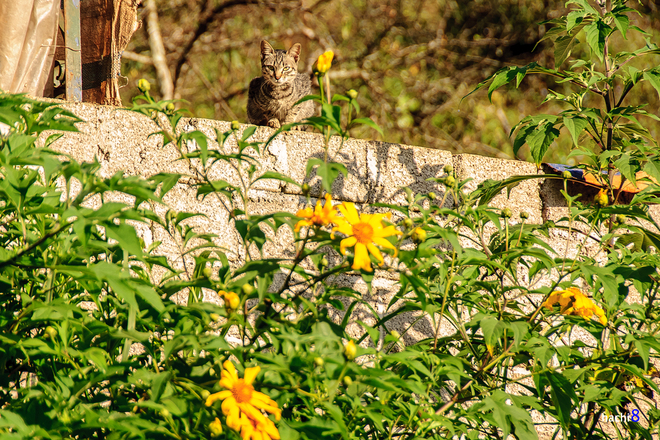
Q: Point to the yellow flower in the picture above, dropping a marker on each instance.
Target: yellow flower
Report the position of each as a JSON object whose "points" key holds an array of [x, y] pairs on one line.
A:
{"points": [[601, 198], [350, 350], [215, 427], [364, 231], [232, 301], [573, 302], [242, 405], [320, 216], [324, 62]]}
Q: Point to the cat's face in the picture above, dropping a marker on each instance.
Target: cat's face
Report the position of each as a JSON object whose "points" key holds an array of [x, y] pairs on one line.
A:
{"points": [[279, 66]]}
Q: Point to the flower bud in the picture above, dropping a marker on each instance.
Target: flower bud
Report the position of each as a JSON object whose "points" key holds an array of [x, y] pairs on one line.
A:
{"points": [[601, 198], [305, 188], [347, 381], [432, 195], [169, 108], [204, 394], [352, 94], [395, 334], [235, 125], [350, 350], [50, 333], [144, 85], [215, 427], [448, 169], [319, 361], [524, 215], [419, 235], [450, 181], [247, 289], [232, 301], [408, 223], [322, 65], [324, 262], [506, 213], [165, 412], [207, 272], [566, 174], [214, 316]]}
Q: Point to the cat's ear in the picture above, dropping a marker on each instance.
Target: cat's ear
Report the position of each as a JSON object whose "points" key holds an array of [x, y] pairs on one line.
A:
{"points": [[295, 51], [266, 49]]}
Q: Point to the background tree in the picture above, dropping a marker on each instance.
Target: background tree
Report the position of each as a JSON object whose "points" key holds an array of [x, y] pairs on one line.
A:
{"points": [[411, 61]]}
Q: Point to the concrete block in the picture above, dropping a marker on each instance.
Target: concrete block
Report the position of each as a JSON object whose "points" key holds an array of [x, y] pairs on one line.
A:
{"points": [[524, 197], [393, 167]]}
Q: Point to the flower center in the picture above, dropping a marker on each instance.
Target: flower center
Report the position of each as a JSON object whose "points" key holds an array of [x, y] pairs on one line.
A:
{"points": [[242, 391], [363, 232]]}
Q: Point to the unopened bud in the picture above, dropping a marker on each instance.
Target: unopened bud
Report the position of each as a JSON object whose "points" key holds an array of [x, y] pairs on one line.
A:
{"points": [[235, 125], [395, 334], [247, 289], [214, 316], [601, 198], [450, 180], [215, 427], [324, 262], [506, 213], [352, 94], [319, 361], [419, 235], [50, 332], [432, 195], [207, 272], [408, 223], [347, 381], [524, 215], [305, 188], [448, 169], [169, 108], [350, 350], [566, 174], [144, 85]]}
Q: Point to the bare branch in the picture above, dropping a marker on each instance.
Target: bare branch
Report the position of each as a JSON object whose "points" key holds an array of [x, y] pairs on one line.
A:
{"points": [[158, 51], [127, 54]]}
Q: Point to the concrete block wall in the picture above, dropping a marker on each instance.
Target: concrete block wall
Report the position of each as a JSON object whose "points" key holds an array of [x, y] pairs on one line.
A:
{"points": [[377, 172]]}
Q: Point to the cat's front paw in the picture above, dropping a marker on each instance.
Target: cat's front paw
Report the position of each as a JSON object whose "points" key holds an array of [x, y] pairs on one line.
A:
{"points": [[274, 123]]}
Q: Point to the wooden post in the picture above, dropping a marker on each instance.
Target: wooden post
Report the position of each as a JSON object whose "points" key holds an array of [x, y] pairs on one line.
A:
{"points": [[72, 43]]}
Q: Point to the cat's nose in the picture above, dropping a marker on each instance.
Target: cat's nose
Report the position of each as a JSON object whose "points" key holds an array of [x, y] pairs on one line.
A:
{"points": [[278, 75]]}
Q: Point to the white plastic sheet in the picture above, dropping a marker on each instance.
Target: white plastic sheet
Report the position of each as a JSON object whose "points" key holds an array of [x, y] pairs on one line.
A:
{"points": [[28, 32]]}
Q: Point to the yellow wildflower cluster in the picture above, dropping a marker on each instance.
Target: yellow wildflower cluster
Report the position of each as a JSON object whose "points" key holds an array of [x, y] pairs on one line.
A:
{"points": [[242, 405], [573, 302], [319, 216], [363, 231]]}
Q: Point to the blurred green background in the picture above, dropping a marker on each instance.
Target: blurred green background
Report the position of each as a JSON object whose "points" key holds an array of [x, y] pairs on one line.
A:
{"points": [[412, 62]]}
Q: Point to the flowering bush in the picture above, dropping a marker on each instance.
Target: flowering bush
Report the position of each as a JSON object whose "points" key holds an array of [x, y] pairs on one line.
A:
{"points": [[94, 344]]}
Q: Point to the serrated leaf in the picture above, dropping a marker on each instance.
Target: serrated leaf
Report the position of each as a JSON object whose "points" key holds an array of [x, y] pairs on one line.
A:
{"points": [[596, 33], [621, 21], [563, 47], [575, 127], [653, 77]]}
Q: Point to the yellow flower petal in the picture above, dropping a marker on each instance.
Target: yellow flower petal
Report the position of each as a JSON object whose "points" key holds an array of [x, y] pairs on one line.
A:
{"points": [[250, 374], [229, 368], [228, 405], [347, 242], [361, 259], [375, 252]]}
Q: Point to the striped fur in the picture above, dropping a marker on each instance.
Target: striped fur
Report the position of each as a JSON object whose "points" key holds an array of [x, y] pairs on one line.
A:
{"points": [[272, 95]]}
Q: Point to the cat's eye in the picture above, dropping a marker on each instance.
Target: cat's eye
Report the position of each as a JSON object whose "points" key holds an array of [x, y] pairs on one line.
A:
{"points": [[287, 68]]}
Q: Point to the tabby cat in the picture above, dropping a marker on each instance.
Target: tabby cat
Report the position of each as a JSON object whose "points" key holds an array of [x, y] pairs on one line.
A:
{"points": [[272, 95]]}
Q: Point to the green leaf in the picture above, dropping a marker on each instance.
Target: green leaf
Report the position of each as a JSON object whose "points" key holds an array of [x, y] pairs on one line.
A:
{"points": [[575, 126], [626, 165], [563, 397], [248, 132], [621, 21], [653, 77], [328, 172], [368, 122], [277, 176], [563, 47], [540, 139], [596, 33]]}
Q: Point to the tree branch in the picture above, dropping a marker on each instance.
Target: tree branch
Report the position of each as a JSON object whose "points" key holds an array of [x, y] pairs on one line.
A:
{"points": [[202, 27], [158, 51]]}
